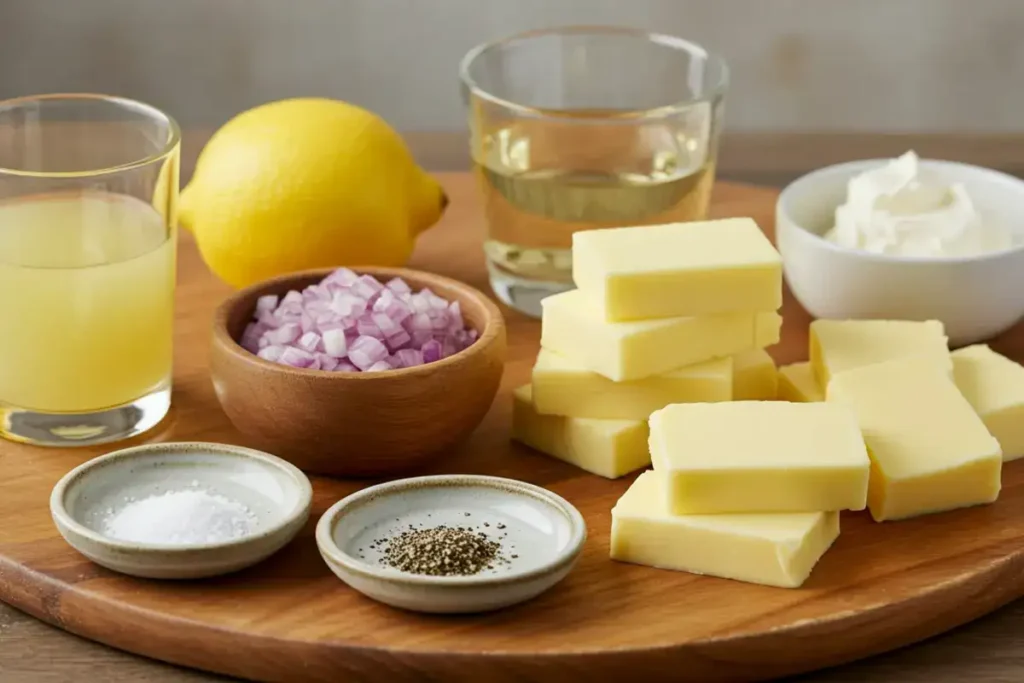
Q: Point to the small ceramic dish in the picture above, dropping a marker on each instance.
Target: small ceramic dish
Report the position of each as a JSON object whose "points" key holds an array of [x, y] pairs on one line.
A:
{"points": [[976, 297], [355, 423], [541, 537], [276, 494]]}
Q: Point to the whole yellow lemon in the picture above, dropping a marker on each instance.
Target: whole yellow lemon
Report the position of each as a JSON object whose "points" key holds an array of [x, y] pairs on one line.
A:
{"points": [[306, 183]]}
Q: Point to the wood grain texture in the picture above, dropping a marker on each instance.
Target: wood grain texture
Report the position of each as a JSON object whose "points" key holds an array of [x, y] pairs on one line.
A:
{"points": [[880, 587], [358, 424]]}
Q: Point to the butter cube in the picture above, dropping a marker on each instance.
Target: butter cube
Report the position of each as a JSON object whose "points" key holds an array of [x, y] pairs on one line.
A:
{"points": [[609, 448], [759, 456], [929, 450], [754, 377], [562, 386], [797, 384], [770, 549], [994, 385], [634, 350], [678, 269], [841, 345]]}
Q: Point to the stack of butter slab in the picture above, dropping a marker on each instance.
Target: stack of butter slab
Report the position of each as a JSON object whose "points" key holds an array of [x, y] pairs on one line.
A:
{"points": [[749, 490], [667, 314]]}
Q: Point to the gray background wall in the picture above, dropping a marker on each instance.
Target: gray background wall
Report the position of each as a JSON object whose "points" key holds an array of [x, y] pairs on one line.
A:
{"points": [[798, 65]]}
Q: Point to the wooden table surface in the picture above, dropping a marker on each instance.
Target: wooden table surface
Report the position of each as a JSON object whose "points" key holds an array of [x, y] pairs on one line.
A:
{"points": [[990, 650]]}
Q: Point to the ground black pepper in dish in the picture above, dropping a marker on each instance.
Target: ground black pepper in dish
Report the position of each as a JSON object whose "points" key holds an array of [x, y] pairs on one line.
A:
{"points": [[441, 551]]}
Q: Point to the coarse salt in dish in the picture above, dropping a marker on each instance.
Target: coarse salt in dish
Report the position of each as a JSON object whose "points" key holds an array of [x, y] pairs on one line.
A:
{"points": [[355, 323], [187, 517]]}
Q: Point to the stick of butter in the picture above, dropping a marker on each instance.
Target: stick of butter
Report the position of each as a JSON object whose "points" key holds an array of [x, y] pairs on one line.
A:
{"points": [[770, 549], [562, 386], [754, 377], [634, 350], [678, 269], [797, 384], [929, 450], [759, 456], [841, 345], [994, 386], [609, 448]]}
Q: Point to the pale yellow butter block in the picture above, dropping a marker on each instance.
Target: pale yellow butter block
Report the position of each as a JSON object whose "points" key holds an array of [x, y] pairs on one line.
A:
{"points": [[929, 450], [678, 269], [759, 456], [634, 350], [770, 549], [797, 384], [994, 386], [609, 448], [754, 377], [767, 329], [562, 386], [840, 345]]}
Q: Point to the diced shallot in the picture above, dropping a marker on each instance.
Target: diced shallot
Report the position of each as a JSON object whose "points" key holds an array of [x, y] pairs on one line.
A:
{"points": [[366, 286], [365, 351], [341, 276], [271, 353], [398, 286], [369, 329], [347, 304], [266, 303], [431, 351], [251, 337], [398, 341], [355, 323], [327, 362], [408, 358], [378, 366], [286, 334], [297, 358], [309, 342], [335, 343], [420, 322], [388, 327]]}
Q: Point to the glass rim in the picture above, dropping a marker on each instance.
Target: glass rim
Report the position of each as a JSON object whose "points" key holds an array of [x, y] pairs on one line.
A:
{"points": [[713, 92], [148, 110]]}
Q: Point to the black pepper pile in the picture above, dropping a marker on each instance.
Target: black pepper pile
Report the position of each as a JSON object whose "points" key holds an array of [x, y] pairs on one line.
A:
{"points": [[441, 551]]}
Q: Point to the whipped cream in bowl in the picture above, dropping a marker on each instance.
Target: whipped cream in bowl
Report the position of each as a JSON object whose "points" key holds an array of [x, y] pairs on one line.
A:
{"points": [[903, 209], [907, 239]]}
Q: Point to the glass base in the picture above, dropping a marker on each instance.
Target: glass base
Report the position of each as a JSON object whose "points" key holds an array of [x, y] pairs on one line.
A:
{"points": [[84, 429], [522, 294]]}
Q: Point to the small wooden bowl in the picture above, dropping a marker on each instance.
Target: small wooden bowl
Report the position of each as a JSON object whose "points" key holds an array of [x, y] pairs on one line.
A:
{"points": [[358, 424]]}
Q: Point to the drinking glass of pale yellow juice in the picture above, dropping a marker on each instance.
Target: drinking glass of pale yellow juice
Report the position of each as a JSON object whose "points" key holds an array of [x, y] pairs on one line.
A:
{"points": [[88, 197], [583, 128]]}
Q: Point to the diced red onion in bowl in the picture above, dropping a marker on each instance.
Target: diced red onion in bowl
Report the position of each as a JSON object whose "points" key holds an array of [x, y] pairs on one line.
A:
{"points": [[355, 323]]}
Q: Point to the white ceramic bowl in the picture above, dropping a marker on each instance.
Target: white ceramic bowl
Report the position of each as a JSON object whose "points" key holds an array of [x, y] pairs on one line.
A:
{"points": [[541, 534], [975, 297], [276, 492]]}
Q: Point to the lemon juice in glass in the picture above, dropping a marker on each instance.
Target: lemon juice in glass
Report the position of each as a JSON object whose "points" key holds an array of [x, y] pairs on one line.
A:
{"points": [[88, 201]]}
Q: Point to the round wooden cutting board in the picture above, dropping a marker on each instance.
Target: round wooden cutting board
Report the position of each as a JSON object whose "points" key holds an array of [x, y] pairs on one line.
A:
{"points": [[289, 619]]}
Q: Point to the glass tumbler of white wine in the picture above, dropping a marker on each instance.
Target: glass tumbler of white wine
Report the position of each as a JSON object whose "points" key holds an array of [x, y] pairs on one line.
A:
{"points": [[586, 128], [88, 197]]}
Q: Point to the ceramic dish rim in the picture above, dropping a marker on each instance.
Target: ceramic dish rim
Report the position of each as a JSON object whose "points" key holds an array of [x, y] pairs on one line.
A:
{"points": [[802, 185], [301, 482], [566, 556], [492, 329]]}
